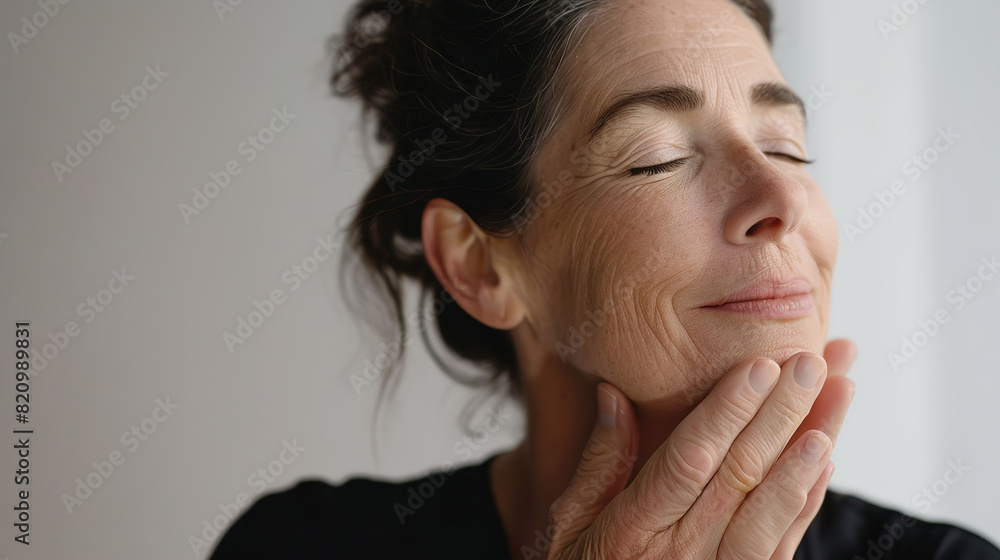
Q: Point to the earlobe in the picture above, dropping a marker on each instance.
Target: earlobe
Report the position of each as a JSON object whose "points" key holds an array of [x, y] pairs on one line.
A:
{"points": [[464, 259]]}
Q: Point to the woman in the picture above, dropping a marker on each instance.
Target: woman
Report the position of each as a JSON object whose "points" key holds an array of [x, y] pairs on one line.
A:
{"points": [[608, 201]]}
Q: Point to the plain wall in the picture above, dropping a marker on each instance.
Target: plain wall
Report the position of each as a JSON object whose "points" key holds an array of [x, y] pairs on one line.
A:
{"points": [[62, 238]]}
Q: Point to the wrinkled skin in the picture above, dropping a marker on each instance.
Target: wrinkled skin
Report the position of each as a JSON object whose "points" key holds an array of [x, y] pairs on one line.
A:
{"points": [[609, 283]]}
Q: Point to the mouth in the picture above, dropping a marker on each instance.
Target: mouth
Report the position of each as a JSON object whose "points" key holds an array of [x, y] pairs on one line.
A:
{"points": [[778, 298]]}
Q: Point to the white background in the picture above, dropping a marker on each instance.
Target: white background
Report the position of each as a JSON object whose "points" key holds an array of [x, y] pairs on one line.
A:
{"points": [[162, 335]]}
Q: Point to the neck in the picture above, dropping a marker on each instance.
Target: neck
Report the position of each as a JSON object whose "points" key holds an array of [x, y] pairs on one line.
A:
{"points": [[561, 408]]}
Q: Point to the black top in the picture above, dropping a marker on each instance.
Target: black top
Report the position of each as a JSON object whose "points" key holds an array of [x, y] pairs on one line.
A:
{"points": [[453, 515]]}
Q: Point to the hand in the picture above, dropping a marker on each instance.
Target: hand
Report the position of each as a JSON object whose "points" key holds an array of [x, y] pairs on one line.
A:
{"points": [[742, 475]]}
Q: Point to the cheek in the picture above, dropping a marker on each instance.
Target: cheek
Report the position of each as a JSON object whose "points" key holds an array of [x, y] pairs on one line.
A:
{"points": [[618, 262], [614, 271], [822, 238], [827, 241]]}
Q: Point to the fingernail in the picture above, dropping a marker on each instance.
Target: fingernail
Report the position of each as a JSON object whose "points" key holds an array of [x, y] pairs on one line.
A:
{"points": [[763, 375], [814, 448], [807, 371], [607, 405]]}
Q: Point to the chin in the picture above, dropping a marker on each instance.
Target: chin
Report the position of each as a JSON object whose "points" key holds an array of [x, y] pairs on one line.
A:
{"points": [[734, 343], [750, 336]]}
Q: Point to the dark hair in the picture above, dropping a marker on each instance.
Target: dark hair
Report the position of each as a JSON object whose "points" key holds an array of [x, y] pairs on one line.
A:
{"points": [[462, 92]]}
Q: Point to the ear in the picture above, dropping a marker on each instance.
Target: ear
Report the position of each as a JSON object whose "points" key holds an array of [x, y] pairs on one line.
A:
{"points": [[468, 263]]}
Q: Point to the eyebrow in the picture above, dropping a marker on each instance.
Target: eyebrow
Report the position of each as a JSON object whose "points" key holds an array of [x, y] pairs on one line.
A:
{"points": [[678, 99]]}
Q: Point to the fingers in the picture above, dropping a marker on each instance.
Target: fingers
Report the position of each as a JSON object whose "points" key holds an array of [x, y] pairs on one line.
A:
{"points": [[603, 470], [757, 448], [829, 410], [722, 461], [677, 472], [793, 537], [827, 414], [765, 517], [839, 355]]}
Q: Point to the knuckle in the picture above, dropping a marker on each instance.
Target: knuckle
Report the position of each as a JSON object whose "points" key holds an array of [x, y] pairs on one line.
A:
{"points": [[736, 410], [758, 527], [749, 544], [788, 413], [789, 491], [690, 462], [598, 446], [743, 468], [624, 544], [556, 510], [677, 545], [619, 530], [754, 533]]}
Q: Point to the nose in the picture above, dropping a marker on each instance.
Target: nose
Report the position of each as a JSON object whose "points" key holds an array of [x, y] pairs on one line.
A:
{"points": [[766, 204]]}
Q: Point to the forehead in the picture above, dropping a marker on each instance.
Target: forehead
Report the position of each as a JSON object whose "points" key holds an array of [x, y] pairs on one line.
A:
{"points": [[709, 45]]}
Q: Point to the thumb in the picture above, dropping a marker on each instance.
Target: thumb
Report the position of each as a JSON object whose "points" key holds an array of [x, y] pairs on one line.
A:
{"points": [[603, 471]]}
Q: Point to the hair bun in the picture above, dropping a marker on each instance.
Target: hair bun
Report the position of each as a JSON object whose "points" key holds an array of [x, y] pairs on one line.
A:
{"points": [[376, 45]]}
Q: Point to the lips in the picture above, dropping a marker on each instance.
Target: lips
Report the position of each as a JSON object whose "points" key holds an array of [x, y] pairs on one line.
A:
{"points": [[774, 298], [767, 289]]}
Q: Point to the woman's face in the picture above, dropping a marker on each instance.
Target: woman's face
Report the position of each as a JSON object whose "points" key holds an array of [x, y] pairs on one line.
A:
{"points": [[617, 269]]}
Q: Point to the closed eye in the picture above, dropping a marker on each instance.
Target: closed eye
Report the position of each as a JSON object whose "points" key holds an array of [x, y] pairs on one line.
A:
{"points": [[659, 168], [668, 166], [790, 157]]}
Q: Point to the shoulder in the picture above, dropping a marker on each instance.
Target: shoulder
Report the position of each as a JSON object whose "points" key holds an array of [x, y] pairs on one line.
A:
{"points": [[305, 521], [363, 518], [850, 527]]}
